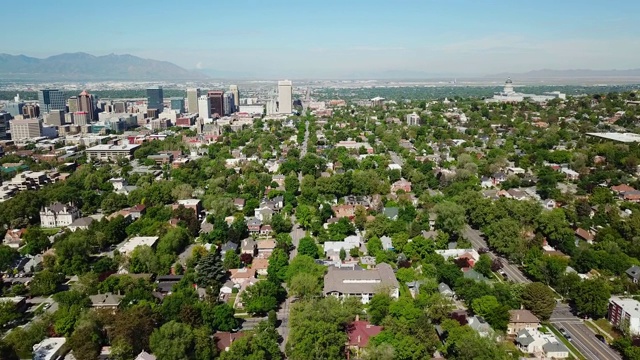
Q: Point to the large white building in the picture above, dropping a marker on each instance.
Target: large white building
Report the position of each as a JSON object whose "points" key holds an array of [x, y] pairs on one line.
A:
{"points": [[58, 215], [362, 284], [128, 247], [49, 348], [625, 313], [413, 119], [509, 95], [106, 152], [204, 111], [284, 97], [192, 100], [236, 95], [23, 129]]}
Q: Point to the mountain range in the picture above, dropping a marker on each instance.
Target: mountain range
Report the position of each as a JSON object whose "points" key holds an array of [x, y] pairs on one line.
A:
{"points": [[84, 67]]}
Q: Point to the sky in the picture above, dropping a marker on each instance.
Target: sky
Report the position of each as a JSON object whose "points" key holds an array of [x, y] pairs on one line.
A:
{"points": [[336, 38]]}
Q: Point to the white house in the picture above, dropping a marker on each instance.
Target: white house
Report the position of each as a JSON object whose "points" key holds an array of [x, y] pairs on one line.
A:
{"points": [[363, 284], [58, 215]]}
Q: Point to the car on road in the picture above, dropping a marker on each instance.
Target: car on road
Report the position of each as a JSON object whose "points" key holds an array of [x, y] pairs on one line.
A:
{"points": [[483, 250], [46, 306], [601, 338], [563, 332]]}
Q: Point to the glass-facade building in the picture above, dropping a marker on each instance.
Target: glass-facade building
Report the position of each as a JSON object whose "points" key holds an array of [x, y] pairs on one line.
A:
{"points": [[51, 99], [155, 99]]}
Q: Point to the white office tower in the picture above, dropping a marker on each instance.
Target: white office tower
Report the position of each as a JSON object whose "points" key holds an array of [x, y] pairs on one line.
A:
{"points": [[192, 100], [204, 111], [284, 97], [236, 95]]}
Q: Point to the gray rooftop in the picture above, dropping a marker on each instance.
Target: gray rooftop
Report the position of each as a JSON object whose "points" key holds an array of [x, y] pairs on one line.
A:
{"points": [[360, 281]]}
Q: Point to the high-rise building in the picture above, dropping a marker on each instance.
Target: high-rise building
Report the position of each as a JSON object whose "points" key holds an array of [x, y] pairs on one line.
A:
{"points": [[236, 95], [30, 111], [55, 117], [192, 100], [51, 99], [85, 103], [155, 99], [177, 103], [73, 104], [119, 107], [4, 121], [284, 97], [80, 118], [15, 108], [204, 111], [26, 129], [229, 104], [216, 103]]}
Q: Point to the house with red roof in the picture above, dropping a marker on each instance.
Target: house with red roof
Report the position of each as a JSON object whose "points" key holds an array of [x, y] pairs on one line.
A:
{"points": [[224, 340], [359, 333]]}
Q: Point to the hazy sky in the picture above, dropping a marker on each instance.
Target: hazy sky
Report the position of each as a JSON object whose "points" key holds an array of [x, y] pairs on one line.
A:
{"points": [[335, 37]]}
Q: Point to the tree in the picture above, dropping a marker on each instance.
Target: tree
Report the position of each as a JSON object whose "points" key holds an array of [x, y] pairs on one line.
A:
{"points": [[132, 329], [172, 341], [379, 307], [143, 260], [374, 246], [210, 270], [591, 298], [304, 264], [343, 254], [304, 214], [231, 260], [7, 352], [504, 236], [8, 256], [45, 282], [263, 344], [278, 264], [483, 265], [539, 299], [263, 297], [219, 317], [450, 217], [305, 285], [8, 313], [488, 307], [86, 340], [36, 241], [360, 217], [307, 246]]}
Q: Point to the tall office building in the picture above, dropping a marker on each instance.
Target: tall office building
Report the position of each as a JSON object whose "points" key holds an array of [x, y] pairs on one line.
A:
{"points": [[229, 104], [4, 122], [236, 95], [155, 99], [284, 97], [15, 108], [51, 99], [30, 111], [192, 100], [177, 104], [25, 129], [80, 118], [55, 117], [85, 104], [119, 107], [73, 104], [216, 103], [204, 111]]}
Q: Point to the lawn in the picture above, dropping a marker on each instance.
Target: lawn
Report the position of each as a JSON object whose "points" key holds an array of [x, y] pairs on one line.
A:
{"points": [[606, 326], [566, 343]]}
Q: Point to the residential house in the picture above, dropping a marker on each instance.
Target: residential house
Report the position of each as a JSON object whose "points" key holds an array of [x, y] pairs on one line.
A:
{"points": [[81, 223], [473, 275], [239, 203], [359, 333], [362, 284], [118, 183], [228, 246], [486, 182], [254, 225], [387, 244], [165, 283], [265, 230], [193, 204], [401, 184], [58, 215], [13, 237], [499, 178], [633, 273], [145, 356], [224, 340], [265, 247], [249, 246], [332, 248], [584, 235], [263, 213], [555, 350], [534, 342], [391, 212], [470, 254], [228, 287], [548, 204], [137, 211], [105, 301], [240, 276], [521, 320], [260, 265], [445, 290], [19, 302], [480, 325], [348, 211], [414, 287], [278, 179], [571, 175]]}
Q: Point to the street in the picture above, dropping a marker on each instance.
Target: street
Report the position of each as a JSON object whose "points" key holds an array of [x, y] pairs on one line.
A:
{"points": [[395, 158], [513, 273], [583, 338]]}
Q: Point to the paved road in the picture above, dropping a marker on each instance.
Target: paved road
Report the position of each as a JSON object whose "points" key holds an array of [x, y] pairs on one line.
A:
{"points": [[396, 159], [251, 323], [296, 234], [283, 316], [583, 338], [477, 241]]}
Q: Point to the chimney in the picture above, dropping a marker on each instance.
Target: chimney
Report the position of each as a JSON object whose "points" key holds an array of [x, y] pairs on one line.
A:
{"points": [[518, 316], [357, 317], [358, 339]]}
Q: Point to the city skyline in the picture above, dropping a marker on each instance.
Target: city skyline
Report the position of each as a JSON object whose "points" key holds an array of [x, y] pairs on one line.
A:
{"points": [[335, 39]]}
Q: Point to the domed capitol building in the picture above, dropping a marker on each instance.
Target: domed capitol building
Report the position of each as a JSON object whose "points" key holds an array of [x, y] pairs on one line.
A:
{"points": [[509, 95]]}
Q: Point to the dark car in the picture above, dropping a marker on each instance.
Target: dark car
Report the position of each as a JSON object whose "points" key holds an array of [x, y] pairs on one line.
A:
{"points": [[483, 250], [601, 338]]}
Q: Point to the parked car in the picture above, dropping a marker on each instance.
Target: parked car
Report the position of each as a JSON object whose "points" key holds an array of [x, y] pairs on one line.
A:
{"points": [[601, 338]]}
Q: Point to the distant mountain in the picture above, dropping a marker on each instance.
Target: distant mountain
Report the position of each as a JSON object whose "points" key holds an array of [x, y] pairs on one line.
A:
{"points": [[83, 67], [570, 74]]}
